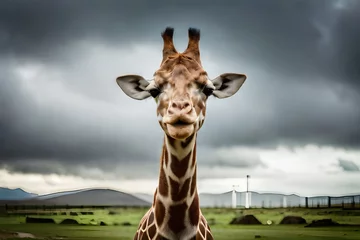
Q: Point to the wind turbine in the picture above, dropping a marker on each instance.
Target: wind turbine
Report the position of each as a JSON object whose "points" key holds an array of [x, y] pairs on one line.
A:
{"points": [[234, 196]]}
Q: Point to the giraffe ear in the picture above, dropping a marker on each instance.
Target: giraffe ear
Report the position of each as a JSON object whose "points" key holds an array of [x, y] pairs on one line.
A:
{"points": [[134, 86], [227, 84]]}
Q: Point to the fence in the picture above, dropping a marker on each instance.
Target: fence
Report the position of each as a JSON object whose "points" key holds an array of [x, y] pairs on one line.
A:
{"points": [[271, 200], [346, 202]]}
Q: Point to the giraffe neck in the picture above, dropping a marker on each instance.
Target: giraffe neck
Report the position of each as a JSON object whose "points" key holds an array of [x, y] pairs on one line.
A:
{"points": [[176, 199]]}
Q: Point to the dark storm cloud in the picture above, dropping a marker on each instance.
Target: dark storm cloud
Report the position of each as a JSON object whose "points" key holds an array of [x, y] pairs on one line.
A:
{"points": [[348, 166], [300, 58], [282, 31], [346, 50], [232, 158], [43, 139]]}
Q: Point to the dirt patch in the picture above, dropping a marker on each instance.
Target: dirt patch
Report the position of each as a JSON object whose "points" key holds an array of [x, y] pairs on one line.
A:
{"points": [[293, 220], [6, 235], [247, 219], [69, 221], [323, 223], [39, 220], [24, 235]]}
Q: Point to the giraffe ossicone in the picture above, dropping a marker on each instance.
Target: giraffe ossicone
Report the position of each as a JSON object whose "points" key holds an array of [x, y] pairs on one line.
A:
{"points": [[181, 88]]}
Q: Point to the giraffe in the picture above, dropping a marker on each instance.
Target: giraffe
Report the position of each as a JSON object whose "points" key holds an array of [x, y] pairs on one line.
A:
{"points": [[180, 88]]}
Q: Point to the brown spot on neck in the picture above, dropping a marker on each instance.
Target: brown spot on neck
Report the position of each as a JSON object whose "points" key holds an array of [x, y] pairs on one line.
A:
{"points": [[194, 156], [177, 217], [163, 183], [180, 166], [194, 211], [193, 183], [171, 141], [174, 143], [187, 141], [166, 157], [159, 212], [163, 180], [152, 231], [180, 191]]}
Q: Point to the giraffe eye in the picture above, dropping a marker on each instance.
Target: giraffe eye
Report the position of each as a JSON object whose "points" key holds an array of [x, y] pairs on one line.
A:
{"points": [[207, 91], [154, 92]]}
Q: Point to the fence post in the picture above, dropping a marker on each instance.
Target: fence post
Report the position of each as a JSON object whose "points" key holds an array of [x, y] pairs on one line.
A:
{"points": [[306, 202], [329, 202]]}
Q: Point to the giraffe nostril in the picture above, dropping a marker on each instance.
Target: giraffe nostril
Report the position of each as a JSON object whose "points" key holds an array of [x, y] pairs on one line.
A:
{"points": [[179, 106]]}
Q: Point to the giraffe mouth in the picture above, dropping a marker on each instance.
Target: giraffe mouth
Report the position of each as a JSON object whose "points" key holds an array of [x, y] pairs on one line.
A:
{"points": [[181, 123], [180, 129]]}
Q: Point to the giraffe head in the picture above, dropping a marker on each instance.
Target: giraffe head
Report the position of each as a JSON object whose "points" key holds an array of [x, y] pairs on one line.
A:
{"points": [[181, 87]]}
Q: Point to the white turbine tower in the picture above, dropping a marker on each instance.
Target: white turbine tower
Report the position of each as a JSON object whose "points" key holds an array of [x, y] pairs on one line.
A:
{"points": [[284, 202], [234, 196], [247, 200]]}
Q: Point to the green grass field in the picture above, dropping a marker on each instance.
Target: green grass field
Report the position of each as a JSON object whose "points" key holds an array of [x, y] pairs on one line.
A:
{"points": [[219, 219]]}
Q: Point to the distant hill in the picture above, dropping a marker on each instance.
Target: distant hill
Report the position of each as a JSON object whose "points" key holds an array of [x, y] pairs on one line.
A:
{"points": [[145, 196], [14, 194], [59, 194], [84, 197]]}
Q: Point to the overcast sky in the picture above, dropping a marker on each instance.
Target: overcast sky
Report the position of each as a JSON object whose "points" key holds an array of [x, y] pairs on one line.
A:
{"points": [[293, 126]]}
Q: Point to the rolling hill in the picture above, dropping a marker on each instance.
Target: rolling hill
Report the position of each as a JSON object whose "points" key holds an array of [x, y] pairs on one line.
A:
{"points": [[14, 194], [84, 197], [144, 196]]}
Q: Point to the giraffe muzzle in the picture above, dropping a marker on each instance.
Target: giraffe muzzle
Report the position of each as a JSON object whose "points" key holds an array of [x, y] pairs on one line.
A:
{"points": [[180, 126], [180, 113], [180, 120]]}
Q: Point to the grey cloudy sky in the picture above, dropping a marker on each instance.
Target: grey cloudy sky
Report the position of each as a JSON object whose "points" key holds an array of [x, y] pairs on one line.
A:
{"points": [[62, 113]]}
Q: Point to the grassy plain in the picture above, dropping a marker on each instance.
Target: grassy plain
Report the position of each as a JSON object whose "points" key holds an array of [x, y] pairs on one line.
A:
{"points": [[218, 218]]}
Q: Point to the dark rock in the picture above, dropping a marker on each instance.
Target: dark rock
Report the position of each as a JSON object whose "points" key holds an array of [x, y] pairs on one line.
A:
{"points": [[293, 220], [247, 219]]}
